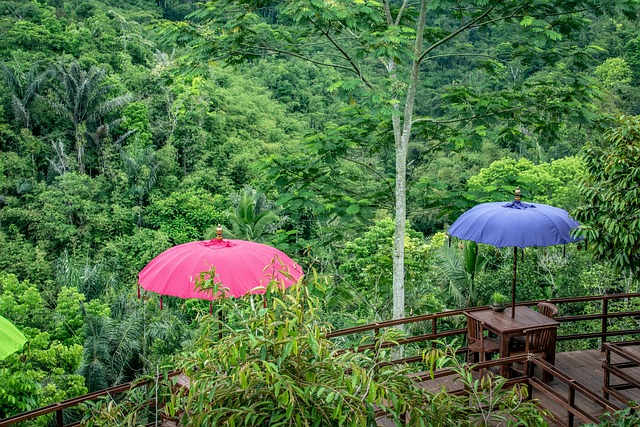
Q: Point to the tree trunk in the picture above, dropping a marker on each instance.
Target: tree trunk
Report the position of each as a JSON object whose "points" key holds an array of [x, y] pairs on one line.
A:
{"points": [[80, 146], [402, 136], [400, 221]]}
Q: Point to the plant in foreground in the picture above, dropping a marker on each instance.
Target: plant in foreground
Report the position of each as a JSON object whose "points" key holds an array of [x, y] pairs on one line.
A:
{"points": [[277, 368], [488, 401], [270, 364]]}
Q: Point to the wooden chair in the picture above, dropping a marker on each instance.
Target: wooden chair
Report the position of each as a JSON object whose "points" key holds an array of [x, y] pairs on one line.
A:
{"points": [[478, 344], [539, 341], [548, 309]]}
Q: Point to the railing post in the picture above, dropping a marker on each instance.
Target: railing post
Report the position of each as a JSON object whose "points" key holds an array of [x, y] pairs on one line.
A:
{"points": [[434, 330], [529, 369], [607, 375], [572, 402], [605, 321], [376, 342], [59, 421]]}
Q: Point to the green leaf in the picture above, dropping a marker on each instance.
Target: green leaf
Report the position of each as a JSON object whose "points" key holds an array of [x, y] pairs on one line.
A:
{"points": [[526, 21], [353, 209]]}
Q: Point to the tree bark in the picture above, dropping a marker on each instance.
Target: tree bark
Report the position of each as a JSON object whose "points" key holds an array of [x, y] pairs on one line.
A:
{"points": [[402, 136]]}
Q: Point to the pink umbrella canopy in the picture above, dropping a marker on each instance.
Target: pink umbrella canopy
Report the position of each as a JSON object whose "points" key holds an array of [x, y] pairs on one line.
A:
{"points": [[241, 266]]}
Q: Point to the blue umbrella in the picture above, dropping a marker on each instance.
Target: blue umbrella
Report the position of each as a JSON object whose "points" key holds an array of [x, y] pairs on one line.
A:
{"points": [[515, 224]]}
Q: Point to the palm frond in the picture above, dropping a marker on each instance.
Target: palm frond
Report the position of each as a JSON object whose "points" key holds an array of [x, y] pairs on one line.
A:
{"points": [[451, 264], [94, 366]]}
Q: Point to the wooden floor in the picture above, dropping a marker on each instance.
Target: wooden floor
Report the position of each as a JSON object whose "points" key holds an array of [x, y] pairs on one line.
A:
{"points": [[586, 368], [583, 366]]}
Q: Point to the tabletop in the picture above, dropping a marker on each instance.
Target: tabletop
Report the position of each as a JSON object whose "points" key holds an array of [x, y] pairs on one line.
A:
{"points": [[502, 322]]}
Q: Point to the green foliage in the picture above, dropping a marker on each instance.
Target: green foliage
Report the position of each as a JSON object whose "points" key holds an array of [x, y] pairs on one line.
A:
{"points": [[360, 36], [251, 219], [319, 140], [365, 265], [276, 367], [106, 411], [552, 272], [489, 401], [551, 183], [130, 253], [460, 265], [627, 417], [45, 374], [499, 299], [69, 214], [86, 99], [611, 196], [24, 259], [186, 215], [136, 118], [112, 349], [614, 72], [17, 393], [24, 89], [22, 303]]}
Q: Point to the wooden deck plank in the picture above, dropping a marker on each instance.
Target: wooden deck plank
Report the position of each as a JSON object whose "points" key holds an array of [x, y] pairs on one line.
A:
{"points": [[583, 366]]}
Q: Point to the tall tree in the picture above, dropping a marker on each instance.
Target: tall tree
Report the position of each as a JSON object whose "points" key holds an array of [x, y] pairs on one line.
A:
{"points": [[384, 48], [610, 193], [86, 100], [23, 88], [251, 217]]}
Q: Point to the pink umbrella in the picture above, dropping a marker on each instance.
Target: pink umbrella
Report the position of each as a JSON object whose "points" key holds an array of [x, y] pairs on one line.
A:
{"points": [[241, 266]]}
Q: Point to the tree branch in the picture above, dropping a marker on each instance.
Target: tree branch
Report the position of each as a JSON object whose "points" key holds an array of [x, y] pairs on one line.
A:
{"points": [[313, 61], [463, 119], [387, 12], [401, 11], [374, 172], [459, 30], [344, 53], [449, 55]]}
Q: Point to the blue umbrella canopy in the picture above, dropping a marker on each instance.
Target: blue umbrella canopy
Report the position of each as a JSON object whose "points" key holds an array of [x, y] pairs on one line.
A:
{"points": [[515, 224]]}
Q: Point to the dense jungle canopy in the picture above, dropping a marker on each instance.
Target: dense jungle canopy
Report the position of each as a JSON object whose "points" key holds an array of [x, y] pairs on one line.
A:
{"points": [[131, 126]]}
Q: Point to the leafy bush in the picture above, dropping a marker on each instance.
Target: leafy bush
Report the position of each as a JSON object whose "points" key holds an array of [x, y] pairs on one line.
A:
{"points": [[270, 364], [277, 368], [628, 417], [488, 402]]}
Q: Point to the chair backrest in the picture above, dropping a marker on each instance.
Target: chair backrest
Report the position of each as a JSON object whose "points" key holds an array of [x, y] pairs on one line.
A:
{"points": [[474, 329], [548, 309], [539, 340]]}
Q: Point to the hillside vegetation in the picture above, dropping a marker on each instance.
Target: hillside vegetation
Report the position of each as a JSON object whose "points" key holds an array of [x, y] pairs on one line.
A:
{"points": [[129, 127]]}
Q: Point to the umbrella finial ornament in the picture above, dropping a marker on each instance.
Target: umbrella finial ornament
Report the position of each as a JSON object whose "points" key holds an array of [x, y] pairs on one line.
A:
{"points": [[517, 203], [219, 232]]}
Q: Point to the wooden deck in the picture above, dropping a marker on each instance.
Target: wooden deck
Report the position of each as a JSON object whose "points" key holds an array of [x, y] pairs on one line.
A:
{"points": [[585, 367], [578, 377]]}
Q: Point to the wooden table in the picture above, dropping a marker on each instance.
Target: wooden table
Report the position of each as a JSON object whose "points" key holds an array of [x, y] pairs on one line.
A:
{"points": [[506, 327]]}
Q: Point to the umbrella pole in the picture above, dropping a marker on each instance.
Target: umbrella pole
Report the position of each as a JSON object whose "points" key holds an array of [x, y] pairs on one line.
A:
{"points": [[513, 282]]}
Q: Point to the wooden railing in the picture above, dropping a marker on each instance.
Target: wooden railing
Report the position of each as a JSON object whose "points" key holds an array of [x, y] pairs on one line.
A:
{"points": [[569, 402], [431, 329], [575, 408], [57, 408], [629, 359]]}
